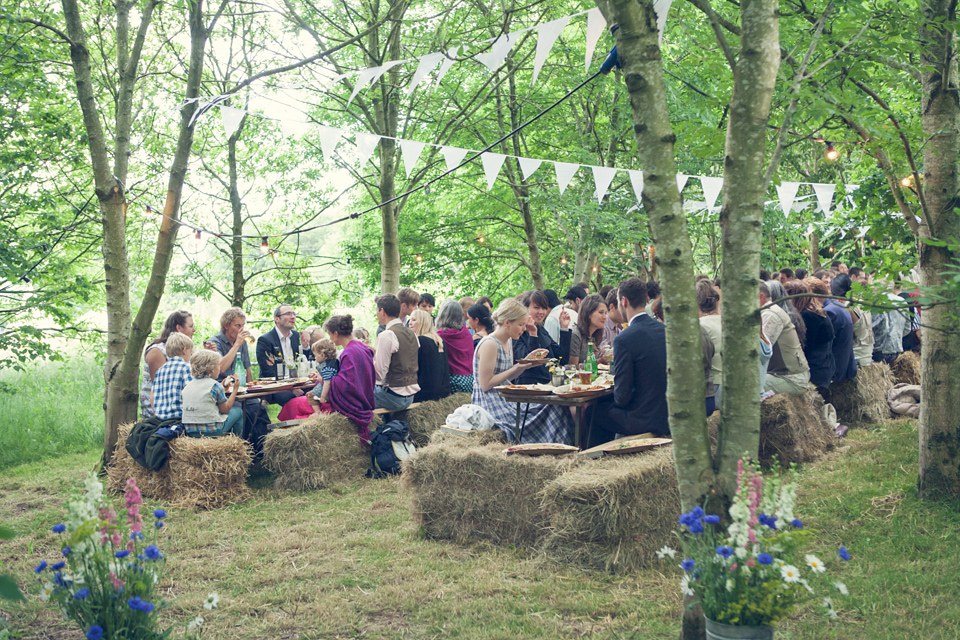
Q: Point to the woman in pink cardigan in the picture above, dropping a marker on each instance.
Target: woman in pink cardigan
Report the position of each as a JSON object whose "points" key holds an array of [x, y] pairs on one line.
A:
{"points": [[458, 345]]}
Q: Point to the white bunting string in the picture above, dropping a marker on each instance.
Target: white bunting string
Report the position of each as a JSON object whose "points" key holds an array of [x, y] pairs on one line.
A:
{"points": [[682, 181], [636, 179], [231, 118], [565, 171], [528, 166], [410, 151], [661, 8], [453, 156], [366, 144], [824, 194], [329, 137], [491, 166], [494, 57], [427, 64], [547, 35], [712, 187], [602, 177], [787, 193]]}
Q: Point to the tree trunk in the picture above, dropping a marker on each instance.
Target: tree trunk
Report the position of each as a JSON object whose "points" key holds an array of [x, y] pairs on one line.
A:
{"points": [[940, 392], [236, 209], [741, 219], [814, 252]]}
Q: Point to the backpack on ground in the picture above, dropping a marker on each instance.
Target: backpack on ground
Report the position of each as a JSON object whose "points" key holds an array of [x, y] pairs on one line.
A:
{"points": [[390, 445]]}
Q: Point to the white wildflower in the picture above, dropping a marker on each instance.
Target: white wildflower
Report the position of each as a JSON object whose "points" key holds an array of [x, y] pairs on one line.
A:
{"points": [[828, 602], [729, 584], [790, 573], [685, 585], [46, 591], [212, 601], [806, 585], [741, 553], [833, 614], [666, 551], [814, 563], [195, 624], [842, 588]]}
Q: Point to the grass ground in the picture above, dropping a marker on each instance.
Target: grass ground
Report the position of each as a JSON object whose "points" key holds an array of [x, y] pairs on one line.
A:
{"points": [[349, 563]]}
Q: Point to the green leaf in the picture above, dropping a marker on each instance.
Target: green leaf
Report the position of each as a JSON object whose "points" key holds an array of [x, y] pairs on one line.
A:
{"points": [[9, 589]]}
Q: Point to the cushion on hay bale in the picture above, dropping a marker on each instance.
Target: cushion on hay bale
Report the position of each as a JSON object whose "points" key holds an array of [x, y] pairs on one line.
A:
{"points": [[465, 492], [323, 450], [904, 400], [428, 416], [201, 472], [613, 513], [793, 428], [906, 368], [864, 397]]}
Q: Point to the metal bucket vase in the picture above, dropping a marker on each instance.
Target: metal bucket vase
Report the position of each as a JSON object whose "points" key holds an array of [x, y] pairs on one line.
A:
{"points": [[720, 631]]}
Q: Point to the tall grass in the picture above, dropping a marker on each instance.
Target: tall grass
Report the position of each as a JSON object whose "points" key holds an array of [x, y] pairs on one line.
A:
{"points": [[49, 410]]}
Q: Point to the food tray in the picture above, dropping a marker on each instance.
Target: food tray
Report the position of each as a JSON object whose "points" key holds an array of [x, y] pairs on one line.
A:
{"points": [[540, 449], [538, 361], [525, 389], [635, 445], [581, 390]]}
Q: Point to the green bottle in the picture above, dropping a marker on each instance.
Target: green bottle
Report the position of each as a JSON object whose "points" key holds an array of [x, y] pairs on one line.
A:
{"points": [[591, 364]]}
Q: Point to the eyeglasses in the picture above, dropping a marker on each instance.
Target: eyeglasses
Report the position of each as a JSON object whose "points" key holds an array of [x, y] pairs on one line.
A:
{"points": [[288, 314]]}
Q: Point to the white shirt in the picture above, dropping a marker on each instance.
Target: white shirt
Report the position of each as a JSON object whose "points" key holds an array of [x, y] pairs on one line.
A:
{"points": [[387, 345], [552, 323], [287, 349]]}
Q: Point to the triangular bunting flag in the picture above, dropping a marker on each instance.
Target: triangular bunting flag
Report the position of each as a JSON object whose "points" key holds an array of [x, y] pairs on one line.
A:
{"points": [[824, 195], [491, 166], [329, 137], [366, 144], [682, 181], [231, 118], [410, 150], [368, 76], [454, 156], [427, 63], [494, 57], [712, 187], [602, 177], [661, 8], [636, 179], [528, 166], [565, 171], [595, 27], [547, 35], [787, 193], [448, 60]]}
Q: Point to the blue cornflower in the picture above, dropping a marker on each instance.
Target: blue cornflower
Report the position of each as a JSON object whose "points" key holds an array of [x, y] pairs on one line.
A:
{"points": [[796, 524], [765, 558], [770, 521], [696, 527], [725, 551], [59, 528], [159, 514], [147, 607], [843, 553], [65, 551], [685, 518], [697, 512], [136, 535], [58, 566], [95, 632], [687, 564], [152, 552], [40, 567], [711, 519], [123, 553], [58, 579], [81, 594], [135, 603], [158, 524]]}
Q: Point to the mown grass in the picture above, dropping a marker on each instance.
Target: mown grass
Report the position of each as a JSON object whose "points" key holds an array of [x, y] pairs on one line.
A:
{"points": [[349, 563], [52, 409]]}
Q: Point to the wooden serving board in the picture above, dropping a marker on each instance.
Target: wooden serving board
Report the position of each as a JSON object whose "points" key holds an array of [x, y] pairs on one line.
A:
{"points": [[597, 451], [539, 361], [637, 446], [540, 449], [526, 390]]}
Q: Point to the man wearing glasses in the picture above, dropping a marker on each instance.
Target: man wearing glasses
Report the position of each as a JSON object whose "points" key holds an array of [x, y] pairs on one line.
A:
{"points": [[277, 350]]}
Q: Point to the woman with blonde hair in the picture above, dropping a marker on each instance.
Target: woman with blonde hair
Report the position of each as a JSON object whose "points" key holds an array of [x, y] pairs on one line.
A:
{"points": [[433, 370], [493, 366]]}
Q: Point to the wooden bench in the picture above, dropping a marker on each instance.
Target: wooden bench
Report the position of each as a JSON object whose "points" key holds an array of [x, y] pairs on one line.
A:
{"points": [[380, 412]]}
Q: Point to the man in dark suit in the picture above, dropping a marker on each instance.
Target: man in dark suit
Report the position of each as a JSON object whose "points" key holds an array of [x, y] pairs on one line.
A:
{"points": [[276, 348], [639, 402]]}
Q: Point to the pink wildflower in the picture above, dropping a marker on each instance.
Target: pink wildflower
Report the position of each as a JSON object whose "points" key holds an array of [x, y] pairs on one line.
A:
{"points": [[733, 567], [117, 582], [132, 492], [131, 546], [751, 562], [117, 539]]}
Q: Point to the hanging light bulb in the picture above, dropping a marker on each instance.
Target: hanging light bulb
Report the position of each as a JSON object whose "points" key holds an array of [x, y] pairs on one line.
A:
{"points": [[873, 243], [563, 260], [623, 251], [830, 250], [419, 258], [906, 181], [595, 269], [831, 154], [605, 253], [264, 246], [481, 239]]}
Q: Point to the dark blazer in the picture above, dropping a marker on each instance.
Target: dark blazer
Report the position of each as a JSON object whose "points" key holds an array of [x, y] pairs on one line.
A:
{"points": [[819, 348], [527, 343], [640, 378], [269, 343], [846, 364], [433, 373]]}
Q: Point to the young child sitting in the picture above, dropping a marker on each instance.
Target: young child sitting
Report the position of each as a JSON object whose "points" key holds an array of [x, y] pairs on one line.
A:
{"points": [[207, 411], [172, 377], [326, 354]]}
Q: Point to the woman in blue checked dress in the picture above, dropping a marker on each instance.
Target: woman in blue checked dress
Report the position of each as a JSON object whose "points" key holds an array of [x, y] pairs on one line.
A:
{"points": [[493, 366]]}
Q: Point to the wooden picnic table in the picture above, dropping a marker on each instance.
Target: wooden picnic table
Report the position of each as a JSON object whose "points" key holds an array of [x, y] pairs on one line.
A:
{"points": [[579, 404], [259, 393]]}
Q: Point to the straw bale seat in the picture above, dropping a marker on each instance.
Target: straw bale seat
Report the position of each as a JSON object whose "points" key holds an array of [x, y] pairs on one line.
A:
{"points": [[793, 428], [321, 451], [906, 368], [864, 397], [205, 473], [612, 514], [466, 492]]}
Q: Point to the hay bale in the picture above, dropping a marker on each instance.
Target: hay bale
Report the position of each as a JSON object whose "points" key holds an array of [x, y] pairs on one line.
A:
{"points": [[464, 492], [864, 397], [323, 450], [793, 428], [204, 473], [613, 513], [429, 416], [478, 438], [906, 368]]}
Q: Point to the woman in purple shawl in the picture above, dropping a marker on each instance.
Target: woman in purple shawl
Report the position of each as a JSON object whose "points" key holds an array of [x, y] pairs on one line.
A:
{"points": [[351, 390]]}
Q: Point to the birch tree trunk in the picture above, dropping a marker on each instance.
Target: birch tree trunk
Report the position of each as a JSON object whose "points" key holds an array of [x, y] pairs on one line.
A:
{"points": [[940, 392], [741, 220]]}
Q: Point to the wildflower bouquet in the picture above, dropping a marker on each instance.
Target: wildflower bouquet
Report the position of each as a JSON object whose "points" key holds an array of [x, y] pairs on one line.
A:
{"points": [[748, 575], [106, 578]]}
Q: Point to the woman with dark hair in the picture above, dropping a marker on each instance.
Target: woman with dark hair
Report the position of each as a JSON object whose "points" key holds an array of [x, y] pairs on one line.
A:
{"points": [[708, 302], [818, 347], [486, 302], [536, 337], [480, 321], [458, 345], [155, 355], [842, 320], [593, 317]]}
